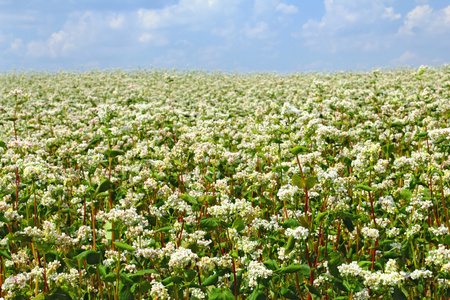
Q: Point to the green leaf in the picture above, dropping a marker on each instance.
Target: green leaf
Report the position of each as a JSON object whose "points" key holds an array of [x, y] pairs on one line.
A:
{"points": [[290, 244], [208, 178], [313, 290], [446, 240], [294, 268], [114, 152], [175, 279], [211, 200], [364, 187], [257, 295], [406, 194], [59, 294], [211, 280], [5, 254], [125, 293], [421, 134], [299, 149], [310, 182], [238, 224], [164, 229], [321, 216], [399, 294], [298, 181], [111, 277], [209, 223], [290, 223], [144, 272], [104, 185], [2, 144], [124, 246], [220, 294], [271, 265], [125, 279], [107, 227], [84, 254], [188, 198], [93, 258]]}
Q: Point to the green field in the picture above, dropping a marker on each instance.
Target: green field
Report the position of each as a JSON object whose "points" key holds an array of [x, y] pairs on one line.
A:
{"points": [[159, 184]]}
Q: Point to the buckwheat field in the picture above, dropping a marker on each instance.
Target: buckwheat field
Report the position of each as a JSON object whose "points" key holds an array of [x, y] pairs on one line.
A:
{"points": [[160, 184]]}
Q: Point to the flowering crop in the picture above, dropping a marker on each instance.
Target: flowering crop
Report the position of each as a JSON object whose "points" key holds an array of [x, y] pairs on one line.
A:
{"points": [[157, 184]]}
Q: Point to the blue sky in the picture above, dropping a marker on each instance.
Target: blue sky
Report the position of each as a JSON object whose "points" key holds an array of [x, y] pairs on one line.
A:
{"points": [[227, 35]]}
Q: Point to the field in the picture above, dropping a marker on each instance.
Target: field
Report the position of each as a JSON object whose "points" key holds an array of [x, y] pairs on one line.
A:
{"points": [[159, 184]]}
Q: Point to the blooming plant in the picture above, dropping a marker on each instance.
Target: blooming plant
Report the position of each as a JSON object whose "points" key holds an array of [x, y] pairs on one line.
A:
{"points": [[158, 184]]}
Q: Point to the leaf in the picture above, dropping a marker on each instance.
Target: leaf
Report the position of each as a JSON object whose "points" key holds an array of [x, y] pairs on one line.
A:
{"points": [[299, 149], [257, 295], [164, 229], [290, 244], [208, 178], [298, 181], [294, 268], [144, 272], [125, 293], [270, 264], [59, 294], [211, 280], [399, 294], [5, 254], [290, 223], [220, 294], [111, 277], [313, 290], [238, 224], [175, 279], [114, 152], [124, 246], [320, 216], [209, 223], [104, 186], [310, 182], [107, 227], [188, 198], [406, 194], [211, 200], [364, 187], [93, 258], [84, 254]]}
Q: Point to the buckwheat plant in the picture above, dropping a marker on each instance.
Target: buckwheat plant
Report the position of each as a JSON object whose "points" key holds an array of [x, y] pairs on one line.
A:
{"points": [[160, 184]]}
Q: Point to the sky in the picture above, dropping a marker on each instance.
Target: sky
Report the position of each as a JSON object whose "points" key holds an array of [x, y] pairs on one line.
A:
{"points": [[226, 35]]}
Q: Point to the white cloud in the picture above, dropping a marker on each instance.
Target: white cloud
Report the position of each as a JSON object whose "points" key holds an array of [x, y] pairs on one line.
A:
{"points": [[406, 57], [81, 30], [390, 14], [263, 6], [16, 44], [259, 31], [423, 19], [186, 12], [154, 38], [287, 9], [347, 24], [117, 21]]}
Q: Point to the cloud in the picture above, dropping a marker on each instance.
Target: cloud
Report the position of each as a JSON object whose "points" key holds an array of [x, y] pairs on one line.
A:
{"points": [[348, 24], [80, 31], [424, 20], [186, 12], [259, 31], [154, 38], [389, 14], [405, 58], [286, 9]]}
